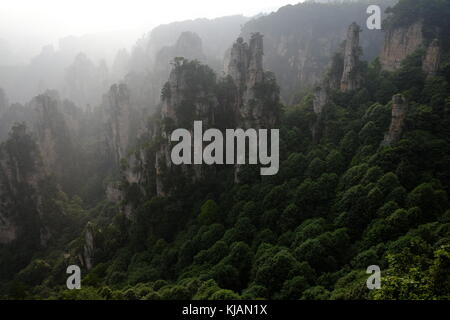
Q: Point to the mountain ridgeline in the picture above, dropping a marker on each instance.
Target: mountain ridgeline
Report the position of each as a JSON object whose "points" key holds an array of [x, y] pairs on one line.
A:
{"points": [[363, 117]]}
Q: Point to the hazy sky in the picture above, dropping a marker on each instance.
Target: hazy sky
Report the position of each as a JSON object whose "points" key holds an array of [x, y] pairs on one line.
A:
{"points": [[27, 25], [56, 18]]}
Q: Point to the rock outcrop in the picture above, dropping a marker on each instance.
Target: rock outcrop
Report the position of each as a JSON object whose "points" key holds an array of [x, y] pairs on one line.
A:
{"points": [[399, 113], [8, 229], [183, 102], [20, 173], [123, 125], [343, 75], [320, 101], [117, 110], [28, 158], [432, 58], [55, 124], [351, 80], [3, 101], [399, 43], [257, 97], [48, 122], [246, 70], [179, 89], [113, 192], [87, 257]]}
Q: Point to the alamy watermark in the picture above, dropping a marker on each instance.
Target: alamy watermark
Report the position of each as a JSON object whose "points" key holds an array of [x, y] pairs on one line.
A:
{"points": [[74, 280], [374, 281], [374, 21], [235, 147]]}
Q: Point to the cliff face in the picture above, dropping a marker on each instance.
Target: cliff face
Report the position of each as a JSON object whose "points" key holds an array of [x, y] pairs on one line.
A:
{"points": [[246, 70], [350, 78], [8, 227], [48, 126], [8, 230], [55, 125], [198, 97], [20, 173], [238, 62], [87, 257], [117, 117], [399, 113], [257, 96], [343, 75], [400, 43], [3, 101], [320, 100], [184, 100], [432, 59]]}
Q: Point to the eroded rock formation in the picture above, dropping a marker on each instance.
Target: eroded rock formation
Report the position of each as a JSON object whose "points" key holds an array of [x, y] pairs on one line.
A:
{"points": [[8, 230], [350, 78], [253, 109], [47, 122], [184, 100], [320, 100], [20, 173], [399, 43], [343, 75], [432, 59], [3, 101], [87, 258], [257, 92], [117, 113], [399, 113], [55, 124]]}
